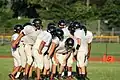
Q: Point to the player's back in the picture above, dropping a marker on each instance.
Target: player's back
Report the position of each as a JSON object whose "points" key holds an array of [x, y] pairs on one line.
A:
{"points": [[30, 34], [81, 35], [43, 36], [66, 32], [61, 47]]}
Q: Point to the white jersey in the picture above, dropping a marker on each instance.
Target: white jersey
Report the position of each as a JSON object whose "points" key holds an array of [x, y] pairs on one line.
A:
{"points": [[79, 34], [14, 37], [30, 34], [66, 33], [60, 49], [44, 36], [84, 40], [89, 36], [56, 40]]}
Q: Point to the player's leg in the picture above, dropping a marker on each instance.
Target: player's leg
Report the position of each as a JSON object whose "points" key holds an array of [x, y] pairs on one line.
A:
{"points": [[30, 71], [53, 70], [69, 66], [81, 64], [39, 62], [28, 52], [17, 62], [86, 63], [22, 58], [62, 67], [62, 61], [11, 75], [46, 67]]}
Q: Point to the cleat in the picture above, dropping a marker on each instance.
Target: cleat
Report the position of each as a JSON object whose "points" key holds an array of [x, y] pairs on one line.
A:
{"points": [[11, 76]]}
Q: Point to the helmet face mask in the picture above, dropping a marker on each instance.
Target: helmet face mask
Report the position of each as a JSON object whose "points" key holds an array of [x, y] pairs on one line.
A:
{"points": [[51, 28], [71, 28], [18, 28], [37, 23], [69, 43], [76, 25], [61, 24], [60, 34], [38, 26]]}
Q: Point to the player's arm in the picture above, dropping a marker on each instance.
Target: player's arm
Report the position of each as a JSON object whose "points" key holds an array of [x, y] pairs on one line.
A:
{"points": [[90, 38], [78, 43], [89, 50], [68, 55], [14, 43], [55, 58], [51, 49], [42, 44]]}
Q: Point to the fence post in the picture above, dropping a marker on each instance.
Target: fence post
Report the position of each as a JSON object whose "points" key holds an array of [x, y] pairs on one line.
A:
{"points": [[99, 27]]}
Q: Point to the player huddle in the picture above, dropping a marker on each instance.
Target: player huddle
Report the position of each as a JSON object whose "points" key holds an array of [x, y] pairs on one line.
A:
{"points": [[43, 50]]}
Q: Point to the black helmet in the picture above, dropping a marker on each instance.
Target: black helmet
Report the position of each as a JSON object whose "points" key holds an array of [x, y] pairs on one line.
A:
{"points": [[71, 28], [18, 28], [60, 34], [76, 25], [61, 23], [51, 27], [37, 23], [69, 43]]}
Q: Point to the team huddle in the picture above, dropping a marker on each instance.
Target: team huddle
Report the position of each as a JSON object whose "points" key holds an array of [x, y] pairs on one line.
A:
{"points": [[44, 51]]}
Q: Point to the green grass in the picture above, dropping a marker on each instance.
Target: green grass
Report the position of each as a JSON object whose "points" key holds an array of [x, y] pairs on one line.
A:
{"points": [[103, 71], [99, 49], [96, 70], [5, 68], [5, 50]]}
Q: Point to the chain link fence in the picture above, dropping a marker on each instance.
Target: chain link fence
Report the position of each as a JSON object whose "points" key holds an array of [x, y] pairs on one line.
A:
{"points": [[104, 37]]}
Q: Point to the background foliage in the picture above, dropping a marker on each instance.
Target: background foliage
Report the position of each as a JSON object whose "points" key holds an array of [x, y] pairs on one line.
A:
{"points": [[81, 10]]}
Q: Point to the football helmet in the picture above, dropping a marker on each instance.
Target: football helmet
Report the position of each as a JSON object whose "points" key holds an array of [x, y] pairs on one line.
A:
{"points": [[37, 23], [69, 43], [18, 28], [60, 34]]}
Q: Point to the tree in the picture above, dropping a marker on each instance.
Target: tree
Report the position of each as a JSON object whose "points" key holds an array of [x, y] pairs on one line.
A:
{"points": [[111, 13]]}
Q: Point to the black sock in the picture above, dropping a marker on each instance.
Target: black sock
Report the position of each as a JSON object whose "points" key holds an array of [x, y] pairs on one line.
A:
{"points": [[83, 76]]}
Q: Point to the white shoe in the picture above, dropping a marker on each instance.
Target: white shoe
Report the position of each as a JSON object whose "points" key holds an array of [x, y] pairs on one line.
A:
{"points": [[17, 75]]}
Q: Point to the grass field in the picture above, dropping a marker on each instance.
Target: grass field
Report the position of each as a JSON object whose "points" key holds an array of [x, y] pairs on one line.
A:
{"points": [[98, 49], [96, 70], [5, 50]]}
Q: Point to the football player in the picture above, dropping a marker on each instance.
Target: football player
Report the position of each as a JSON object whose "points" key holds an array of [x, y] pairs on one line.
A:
{"points": [[30, 33], [67, 34], [15, 52], [40, 47], [88, 38], [82, 48]]}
